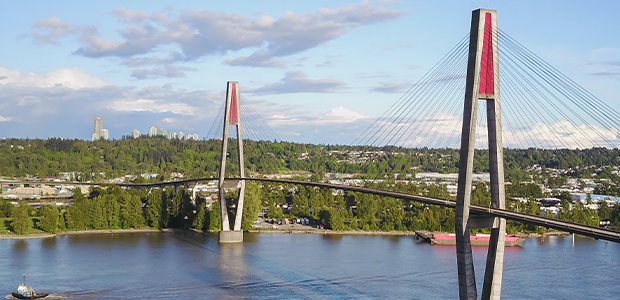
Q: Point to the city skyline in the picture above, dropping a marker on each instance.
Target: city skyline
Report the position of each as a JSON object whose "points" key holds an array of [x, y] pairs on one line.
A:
{"points": [[316, 72]]}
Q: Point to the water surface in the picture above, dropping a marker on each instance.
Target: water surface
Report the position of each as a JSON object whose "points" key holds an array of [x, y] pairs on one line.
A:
{"points": [[296, 266]]}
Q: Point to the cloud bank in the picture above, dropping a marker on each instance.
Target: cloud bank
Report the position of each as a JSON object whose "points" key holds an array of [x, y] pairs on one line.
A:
{"points": [[203, 33]]}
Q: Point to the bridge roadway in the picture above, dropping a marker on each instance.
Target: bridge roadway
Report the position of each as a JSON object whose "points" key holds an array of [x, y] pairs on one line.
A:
{"points": [[584, 230]]}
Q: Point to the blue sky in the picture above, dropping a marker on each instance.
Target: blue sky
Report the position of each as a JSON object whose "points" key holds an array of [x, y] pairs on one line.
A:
{"points": [[316, 71]]}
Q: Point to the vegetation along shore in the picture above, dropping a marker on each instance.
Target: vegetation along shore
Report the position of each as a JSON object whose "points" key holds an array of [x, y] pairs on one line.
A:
{"points": [[532, 174]]}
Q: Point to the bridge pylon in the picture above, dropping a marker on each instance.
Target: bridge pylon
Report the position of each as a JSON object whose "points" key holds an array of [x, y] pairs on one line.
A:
{"points": [[482, 83], [232, 116]]}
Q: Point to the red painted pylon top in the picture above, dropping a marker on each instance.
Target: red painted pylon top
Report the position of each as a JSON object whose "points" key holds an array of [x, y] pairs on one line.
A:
{"points": [[486, 65]]}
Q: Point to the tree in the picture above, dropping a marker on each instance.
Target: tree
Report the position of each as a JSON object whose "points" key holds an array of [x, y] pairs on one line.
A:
{"points": [[215, 217], [187, 210], [604, 212], [154, 209], [49, 218], [21, 219], [199, 219], [132, 212], [274, 211], [332, 219], [252, 204]]}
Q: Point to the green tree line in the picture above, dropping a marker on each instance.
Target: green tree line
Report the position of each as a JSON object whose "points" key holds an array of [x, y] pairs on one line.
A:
{"points": [[197, 159]]}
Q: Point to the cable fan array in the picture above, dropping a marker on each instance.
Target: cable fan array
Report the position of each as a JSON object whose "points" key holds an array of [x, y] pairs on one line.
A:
{"points": [[254, 127], [541, 107]]}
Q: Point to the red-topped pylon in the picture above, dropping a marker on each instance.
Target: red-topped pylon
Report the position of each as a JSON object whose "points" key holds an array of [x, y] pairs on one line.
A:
{"points": [[482, 83], [231, 117]]}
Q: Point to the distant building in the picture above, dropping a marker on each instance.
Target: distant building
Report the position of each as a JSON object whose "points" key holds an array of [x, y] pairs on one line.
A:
{"points": [[135, 133], [98, 125], [583, 198], [99, 133], [152, 131], [165, 133]]}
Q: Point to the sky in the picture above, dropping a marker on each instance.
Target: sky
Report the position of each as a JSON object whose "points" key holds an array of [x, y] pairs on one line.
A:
{"points": [[315, 71]]}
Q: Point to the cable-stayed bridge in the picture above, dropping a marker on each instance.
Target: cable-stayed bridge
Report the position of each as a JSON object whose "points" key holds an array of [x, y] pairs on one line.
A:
{"points": [[538, 107]]}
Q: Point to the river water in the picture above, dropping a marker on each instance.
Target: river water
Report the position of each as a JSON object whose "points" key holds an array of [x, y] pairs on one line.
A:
{"points": [[296, 266]]}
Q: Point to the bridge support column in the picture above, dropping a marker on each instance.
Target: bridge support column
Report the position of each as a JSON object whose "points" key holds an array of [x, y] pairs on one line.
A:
{"points": [[482, 83], [231, 236], [232, 116]]}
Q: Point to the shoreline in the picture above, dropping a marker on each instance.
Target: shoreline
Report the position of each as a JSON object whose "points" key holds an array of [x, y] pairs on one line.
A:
{"points": [[327, 231], [268, 231], [387, 233], [82, 232]]}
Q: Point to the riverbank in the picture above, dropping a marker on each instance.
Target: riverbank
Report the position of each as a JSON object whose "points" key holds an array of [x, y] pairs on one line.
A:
{"points": [[540, 235], [391, 233], [327, 231], [82, 232], [262, 230]]}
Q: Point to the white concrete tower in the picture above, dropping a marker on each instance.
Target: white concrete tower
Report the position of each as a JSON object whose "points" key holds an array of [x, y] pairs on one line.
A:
{"points": [[482, 83]]}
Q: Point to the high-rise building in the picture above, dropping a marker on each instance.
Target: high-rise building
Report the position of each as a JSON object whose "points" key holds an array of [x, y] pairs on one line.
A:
{"points": [[165, 133], [98, 125], [135, 133], [152, 131], [99, 133]]}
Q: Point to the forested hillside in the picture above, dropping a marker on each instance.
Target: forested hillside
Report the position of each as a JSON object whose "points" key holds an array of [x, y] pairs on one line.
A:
{"points": [[35, 157]]}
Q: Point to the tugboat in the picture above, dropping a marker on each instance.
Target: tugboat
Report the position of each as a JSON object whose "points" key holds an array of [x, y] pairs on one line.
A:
{"points": [[26, 292]]}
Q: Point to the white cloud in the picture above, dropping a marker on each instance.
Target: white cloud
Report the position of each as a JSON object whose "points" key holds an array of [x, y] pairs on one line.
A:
{"points": [[444, 130], [5, 119], [72, 78], [337, 115], [298, 82], [201, 33], [391, 87], [127, 15], [168, 71], [341, 114], [52, 30], [154, 106], [564, 134], [27, 100]]}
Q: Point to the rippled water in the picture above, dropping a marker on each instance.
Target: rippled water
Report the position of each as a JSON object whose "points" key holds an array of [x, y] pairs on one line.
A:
{"points": [[296, 266]]}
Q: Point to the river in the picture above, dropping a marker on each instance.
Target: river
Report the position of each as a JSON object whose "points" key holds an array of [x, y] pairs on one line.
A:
{"points": [[296, 266]]}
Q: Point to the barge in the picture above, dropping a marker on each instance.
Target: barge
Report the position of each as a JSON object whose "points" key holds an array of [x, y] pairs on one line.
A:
{"points": [[475, 240]]}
